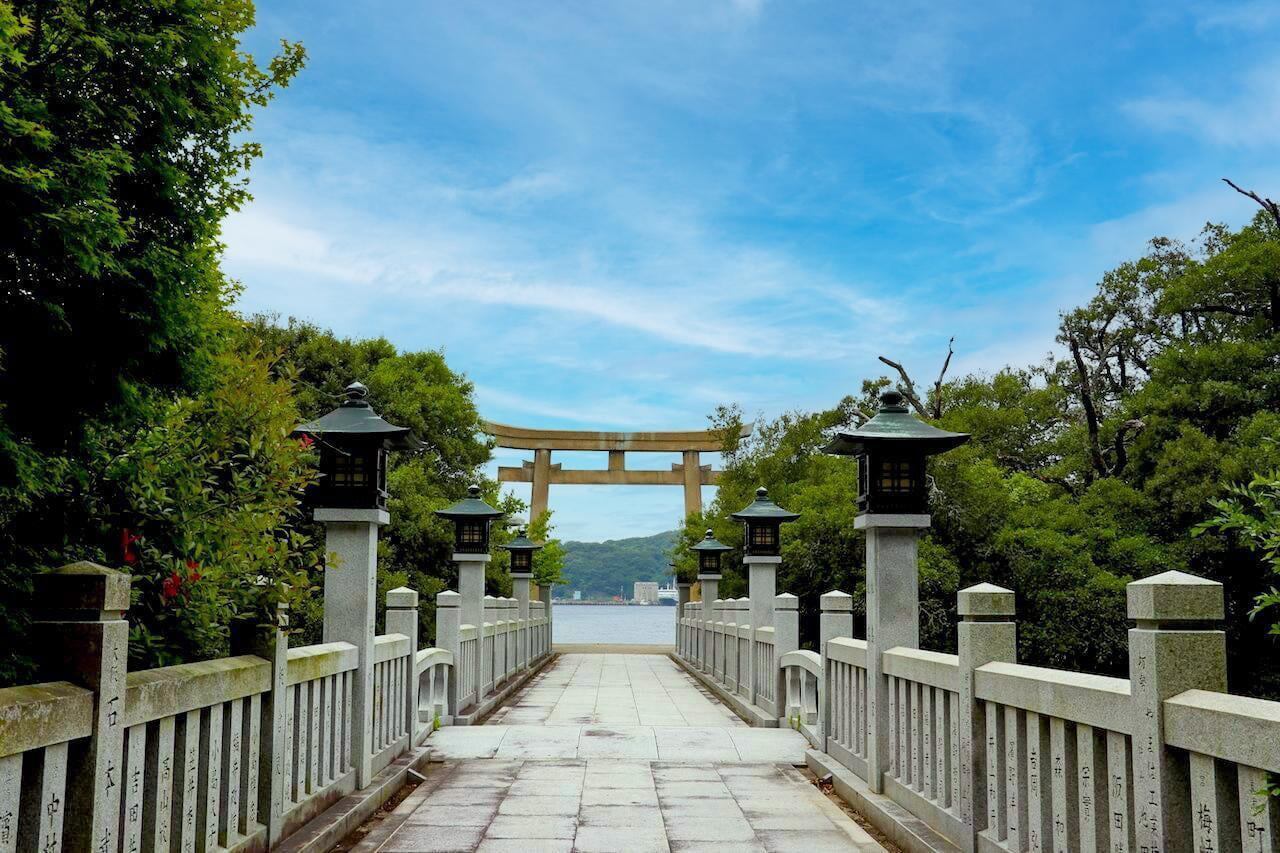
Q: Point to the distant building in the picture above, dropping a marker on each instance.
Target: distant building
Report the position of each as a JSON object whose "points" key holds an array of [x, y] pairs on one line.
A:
{"points": [[577, 595], [646, 592]]}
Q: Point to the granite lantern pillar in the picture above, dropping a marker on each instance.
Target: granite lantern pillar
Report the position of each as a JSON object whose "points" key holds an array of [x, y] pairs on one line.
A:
{"points": [[350, 498], [522, 550], [472, 519], [708, 552], [893, 504]]}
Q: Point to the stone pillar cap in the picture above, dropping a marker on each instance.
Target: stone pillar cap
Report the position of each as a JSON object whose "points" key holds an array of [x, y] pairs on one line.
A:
{"points": [[352, 515], [786, 601], [402, 597], [684, 583], [836, 600], [472, 558], [1175, 597], [83, 586], [448, 598], [904, 521], [985, 599]]}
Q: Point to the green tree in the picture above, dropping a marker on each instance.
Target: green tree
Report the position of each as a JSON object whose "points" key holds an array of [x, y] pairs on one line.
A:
{"points": [[122, 146], [420, 391]]}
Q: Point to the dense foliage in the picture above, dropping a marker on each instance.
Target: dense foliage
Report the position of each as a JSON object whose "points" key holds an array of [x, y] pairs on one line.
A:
{"points": [[601, 570], [121, 150], [1083, 473], [143, 424]]}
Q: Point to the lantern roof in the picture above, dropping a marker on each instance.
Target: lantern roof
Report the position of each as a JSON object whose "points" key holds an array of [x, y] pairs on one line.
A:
{"points": [[763, 509], [355, 417], [709, 543], [472, 506], [894, 426], [522, 543]]}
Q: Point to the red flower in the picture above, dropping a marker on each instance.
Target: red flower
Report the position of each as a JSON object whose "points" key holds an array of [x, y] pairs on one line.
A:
{"points": [[127, 553], [306, 442], [171, 586]]}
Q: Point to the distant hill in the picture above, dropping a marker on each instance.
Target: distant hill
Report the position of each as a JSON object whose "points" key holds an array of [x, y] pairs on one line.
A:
{"points": [[599, 569]]}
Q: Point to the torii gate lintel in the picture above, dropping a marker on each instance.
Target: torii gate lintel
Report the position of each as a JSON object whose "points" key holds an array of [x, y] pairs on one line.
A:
{"points": [[541, 472]]}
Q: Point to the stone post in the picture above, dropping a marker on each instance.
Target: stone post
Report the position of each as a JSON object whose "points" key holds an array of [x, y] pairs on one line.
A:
{"points": [[544, 595], [402, 618], [350, 591], [835, 620], [893, 618], [489, 659], [265, 794], [84, 639], [707, 615], [786, 638], [987, 633], [1173, 648], [682, 588], [448, 624], [471, 587], [729, 615], [762, 582], [762, 586], [520, 589]]}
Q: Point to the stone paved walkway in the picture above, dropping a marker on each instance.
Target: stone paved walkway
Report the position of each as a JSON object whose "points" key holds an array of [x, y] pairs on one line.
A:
{"points": [[622, 753]]}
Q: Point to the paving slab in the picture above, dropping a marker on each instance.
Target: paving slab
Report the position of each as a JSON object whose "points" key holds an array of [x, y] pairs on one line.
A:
{"points": [[614, 753]]}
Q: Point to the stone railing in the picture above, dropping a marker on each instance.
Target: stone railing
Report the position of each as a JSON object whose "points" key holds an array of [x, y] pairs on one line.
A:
{"points": [[739, 660], [988, 754], [492, 659], [234, 753], [976, 752]]}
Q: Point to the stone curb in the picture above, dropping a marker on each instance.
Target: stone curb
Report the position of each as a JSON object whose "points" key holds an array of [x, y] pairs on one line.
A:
{"points": [[750, 714], [900, 826]]}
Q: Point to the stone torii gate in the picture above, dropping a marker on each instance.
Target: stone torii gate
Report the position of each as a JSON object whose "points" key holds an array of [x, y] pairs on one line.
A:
{"points": [[542, 472]]}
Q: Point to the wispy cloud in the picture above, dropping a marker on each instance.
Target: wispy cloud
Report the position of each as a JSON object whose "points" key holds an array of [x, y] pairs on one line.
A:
{"points": [[1249, 116]]}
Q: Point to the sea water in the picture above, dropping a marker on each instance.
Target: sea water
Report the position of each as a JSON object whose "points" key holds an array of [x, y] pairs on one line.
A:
{"points": [[653, 624]]}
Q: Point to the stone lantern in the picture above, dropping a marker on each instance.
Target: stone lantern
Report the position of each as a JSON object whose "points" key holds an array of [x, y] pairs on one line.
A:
{"points": [[353, 442], [709, 551], [522, 550], [763, 520], [891, 449], [893, 505], [350, 500], [471, 518]]}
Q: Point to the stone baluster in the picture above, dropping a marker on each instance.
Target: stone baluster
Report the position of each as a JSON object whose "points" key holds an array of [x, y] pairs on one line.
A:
{"points": [[1173, 647], [893, 618], [83, 638], [448, 626], [986, 633], [786, 638], [402, 618], [272, 645]]}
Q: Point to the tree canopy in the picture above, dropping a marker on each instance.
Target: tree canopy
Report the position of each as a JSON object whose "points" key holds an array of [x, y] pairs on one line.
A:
{"points": [[1084, 472]]}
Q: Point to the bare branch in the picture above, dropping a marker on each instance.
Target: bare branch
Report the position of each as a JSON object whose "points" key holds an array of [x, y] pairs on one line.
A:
{"points": [[937, 386], [1267, 204], [1090, 411], [1133, 426], [908, 387]]}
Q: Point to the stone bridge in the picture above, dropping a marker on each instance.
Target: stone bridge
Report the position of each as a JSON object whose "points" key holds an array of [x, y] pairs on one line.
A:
{"points": [[706, 746]]}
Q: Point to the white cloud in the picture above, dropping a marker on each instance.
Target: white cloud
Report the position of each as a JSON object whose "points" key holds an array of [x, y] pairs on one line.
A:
{"points": [[1247, 17], [1247, 118]]}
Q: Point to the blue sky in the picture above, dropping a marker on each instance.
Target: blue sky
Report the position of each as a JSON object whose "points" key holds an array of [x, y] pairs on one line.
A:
{"points": [[617, 215]]}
